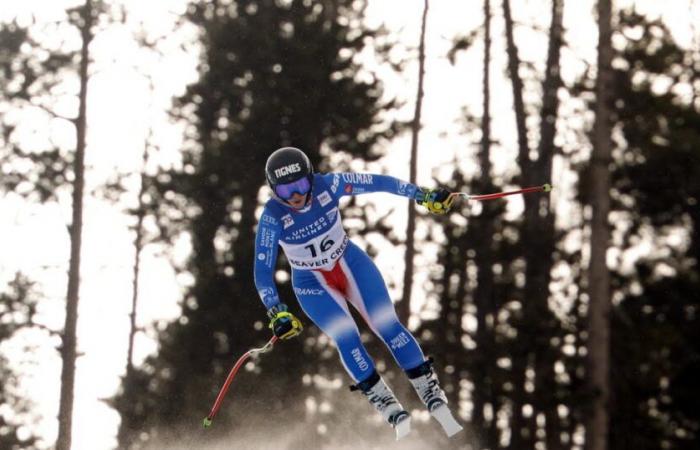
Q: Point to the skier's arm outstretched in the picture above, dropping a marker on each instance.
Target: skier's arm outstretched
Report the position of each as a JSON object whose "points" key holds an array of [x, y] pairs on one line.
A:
{"points": [[283, 323], [437, 201]]}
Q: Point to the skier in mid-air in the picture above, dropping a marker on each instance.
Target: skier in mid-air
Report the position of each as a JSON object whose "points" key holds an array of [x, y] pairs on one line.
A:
{"points": [[329, 270]]}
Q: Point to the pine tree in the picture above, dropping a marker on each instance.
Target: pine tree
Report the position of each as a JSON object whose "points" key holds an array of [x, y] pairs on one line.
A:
{"points": [[533, 351], [404, 308], [84, 19], [293, 84], [654, 189], [655, 186], [598, 274], [482, 237], [29, 80]]}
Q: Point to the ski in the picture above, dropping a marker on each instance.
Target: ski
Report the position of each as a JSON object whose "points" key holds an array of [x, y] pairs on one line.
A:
{"points": [[444, 417], [402, 426]]}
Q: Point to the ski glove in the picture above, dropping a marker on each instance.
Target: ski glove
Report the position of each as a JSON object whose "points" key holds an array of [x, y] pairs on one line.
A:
{"points": [[283, 323], [437, 201]]}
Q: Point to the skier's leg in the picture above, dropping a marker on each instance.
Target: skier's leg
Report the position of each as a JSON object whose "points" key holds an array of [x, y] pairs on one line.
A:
{"points": [[327, 308], [383, 399], [329, 312], [367, 292], [425, 382]]}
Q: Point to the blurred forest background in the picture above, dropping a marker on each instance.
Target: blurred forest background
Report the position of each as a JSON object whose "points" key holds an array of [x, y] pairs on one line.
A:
{"points": [[567, 321]]}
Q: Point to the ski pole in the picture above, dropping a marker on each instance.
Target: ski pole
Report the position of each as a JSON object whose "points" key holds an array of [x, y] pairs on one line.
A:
{"points": [[544, 188], [222, 393]]}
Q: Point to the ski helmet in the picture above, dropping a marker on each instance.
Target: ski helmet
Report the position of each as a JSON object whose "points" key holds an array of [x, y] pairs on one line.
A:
{"points": [[289, 170]]}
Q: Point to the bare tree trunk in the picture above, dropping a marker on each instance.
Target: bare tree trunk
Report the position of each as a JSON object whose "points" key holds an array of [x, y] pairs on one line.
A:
{"points": [[598, 275], [537, 242], [138, 249], [69, 344], [517, 86], [540, 241], [520, 436], [483, 231], [404, 308]]}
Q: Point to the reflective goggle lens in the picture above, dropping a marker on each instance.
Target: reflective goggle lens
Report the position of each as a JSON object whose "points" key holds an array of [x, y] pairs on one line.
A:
{"points": [[285, 191]]}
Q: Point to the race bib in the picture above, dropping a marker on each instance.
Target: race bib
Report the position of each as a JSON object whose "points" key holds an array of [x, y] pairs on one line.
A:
{"points": [[320, 252]]}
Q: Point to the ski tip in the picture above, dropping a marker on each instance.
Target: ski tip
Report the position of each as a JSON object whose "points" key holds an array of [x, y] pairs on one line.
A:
{"points": [[547, 187], [452, 431], [447, 421], [207, 422], [403, 427]]}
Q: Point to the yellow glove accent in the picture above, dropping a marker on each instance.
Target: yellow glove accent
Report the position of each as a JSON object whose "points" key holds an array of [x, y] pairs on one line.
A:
{"points": [[435, 206], [285, 325]]}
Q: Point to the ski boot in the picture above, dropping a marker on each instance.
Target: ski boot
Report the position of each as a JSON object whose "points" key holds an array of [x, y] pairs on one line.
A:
{"points": [[427, 387], [384, 401]]}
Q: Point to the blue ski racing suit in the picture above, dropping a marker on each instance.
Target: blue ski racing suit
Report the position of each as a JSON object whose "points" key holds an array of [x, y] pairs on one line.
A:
{"points": [[329, 270]]}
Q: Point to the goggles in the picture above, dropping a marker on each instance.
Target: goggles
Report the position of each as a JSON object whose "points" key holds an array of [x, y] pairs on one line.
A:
{"points": [[286, 191]]}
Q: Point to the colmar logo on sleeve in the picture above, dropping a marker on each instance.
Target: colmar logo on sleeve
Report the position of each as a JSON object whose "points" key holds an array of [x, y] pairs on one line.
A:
{"points": [[358, 178]]}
